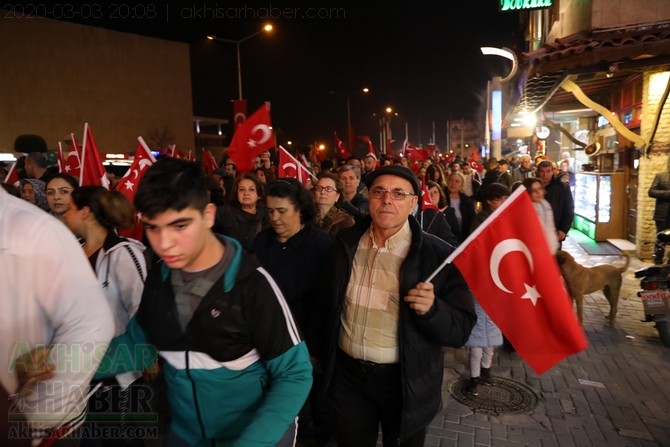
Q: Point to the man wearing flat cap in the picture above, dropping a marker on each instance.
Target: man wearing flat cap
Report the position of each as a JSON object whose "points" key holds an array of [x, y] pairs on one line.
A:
{"points": [[504, 177], [379, 328]]}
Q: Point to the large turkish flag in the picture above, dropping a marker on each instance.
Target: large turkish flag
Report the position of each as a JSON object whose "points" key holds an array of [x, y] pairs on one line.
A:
{"points": [[511, 272]]}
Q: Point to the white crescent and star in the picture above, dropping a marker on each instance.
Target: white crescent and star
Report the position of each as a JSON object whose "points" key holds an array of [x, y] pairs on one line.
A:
{"points": [[239, 118], [499, 251], [133, 174], [266, 133], [286, 166]]}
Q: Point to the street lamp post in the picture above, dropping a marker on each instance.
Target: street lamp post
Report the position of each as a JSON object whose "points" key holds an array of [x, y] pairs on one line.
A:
{"points": [[350, 129], [237, 43], [494, 100]]}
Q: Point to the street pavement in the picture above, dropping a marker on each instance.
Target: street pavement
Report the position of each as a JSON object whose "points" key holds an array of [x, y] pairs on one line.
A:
{"points": [[615, 393]]}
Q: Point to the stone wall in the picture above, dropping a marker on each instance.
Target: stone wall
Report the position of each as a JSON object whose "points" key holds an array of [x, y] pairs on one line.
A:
{"points": [[56, 76], [656, 161], [613, 13]]}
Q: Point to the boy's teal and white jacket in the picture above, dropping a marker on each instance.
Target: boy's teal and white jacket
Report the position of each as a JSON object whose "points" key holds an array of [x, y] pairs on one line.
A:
{"points": [[240, 372]]}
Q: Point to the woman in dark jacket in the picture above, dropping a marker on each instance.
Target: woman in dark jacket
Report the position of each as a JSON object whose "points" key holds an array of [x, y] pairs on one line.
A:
{"points": [[293, 249], [245, 215]]}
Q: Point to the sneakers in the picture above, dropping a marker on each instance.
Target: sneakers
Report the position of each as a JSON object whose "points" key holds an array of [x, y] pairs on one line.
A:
{"points": [[486, 376], [473, 386]]}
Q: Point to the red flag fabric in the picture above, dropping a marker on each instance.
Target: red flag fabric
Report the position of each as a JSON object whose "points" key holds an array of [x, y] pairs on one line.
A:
{"points": [[341, 149], [209, 163], [61, 158], [289, 166], [514, 277], [426, 203], [12, 176], [92, 172], [72, 161], [414, 153], [366, 139], [476, 165], [474, 161], [128, 184], [142, 161], [253, 137]]}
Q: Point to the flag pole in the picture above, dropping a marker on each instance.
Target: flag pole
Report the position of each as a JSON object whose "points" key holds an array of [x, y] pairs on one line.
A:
{"points": [[519, 191]]}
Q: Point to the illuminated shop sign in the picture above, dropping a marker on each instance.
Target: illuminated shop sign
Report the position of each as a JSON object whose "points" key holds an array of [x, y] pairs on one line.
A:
{"points": [[521, 5]]}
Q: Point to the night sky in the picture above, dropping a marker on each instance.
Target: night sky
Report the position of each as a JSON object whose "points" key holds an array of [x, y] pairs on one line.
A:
{"points": [[423, 61]]}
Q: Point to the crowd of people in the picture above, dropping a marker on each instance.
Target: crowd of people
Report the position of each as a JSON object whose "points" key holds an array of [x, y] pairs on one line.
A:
{"points": [[272, 310]]}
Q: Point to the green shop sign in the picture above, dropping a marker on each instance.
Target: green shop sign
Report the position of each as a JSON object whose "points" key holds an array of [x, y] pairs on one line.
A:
{"points": [[520, 5]]}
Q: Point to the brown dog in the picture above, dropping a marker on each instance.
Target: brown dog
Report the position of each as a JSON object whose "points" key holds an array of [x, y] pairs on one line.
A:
{"points": [[582, 280]]}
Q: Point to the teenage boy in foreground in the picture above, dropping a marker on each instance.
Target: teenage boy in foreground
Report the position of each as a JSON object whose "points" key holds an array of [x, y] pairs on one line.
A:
{"points": [[236, 368]]}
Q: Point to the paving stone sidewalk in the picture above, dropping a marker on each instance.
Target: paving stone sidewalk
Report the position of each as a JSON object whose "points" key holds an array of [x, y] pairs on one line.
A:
{"points": [[615, 393]]}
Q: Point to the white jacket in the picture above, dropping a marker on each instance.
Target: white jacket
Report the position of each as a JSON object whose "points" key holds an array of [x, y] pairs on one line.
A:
{"points": [[121, 278], [49, 296], [546, 215]]}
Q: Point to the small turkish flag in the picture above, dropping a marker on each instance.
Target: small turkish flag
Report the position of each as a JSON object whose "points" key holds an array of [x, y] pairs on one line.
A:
{"points": [[208, 161], [92, 171], [129, 182], [426, 203], [12, 177], [510, 270], [253, 137], [341, 149], [289, 166], [61, 158], [72, 164], [142, 161]]}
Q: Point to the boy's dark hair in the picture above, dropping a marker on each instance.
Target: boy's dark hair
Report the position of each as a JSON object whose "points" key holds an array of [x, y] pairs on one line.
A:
{"points": [[494, 191], [294, 191], [172, 184]]}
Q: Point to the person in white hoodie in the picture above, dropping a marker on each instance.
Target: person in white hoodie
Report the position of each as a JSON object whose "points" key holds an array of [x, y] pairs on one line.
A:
{"points": [[537, 191], [94, 214], [55, 324]]}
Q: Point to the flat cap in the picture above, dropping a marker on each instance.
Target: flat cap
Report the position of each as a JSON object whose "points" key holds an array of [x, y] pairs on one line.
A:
{"points": [[398, 171]]}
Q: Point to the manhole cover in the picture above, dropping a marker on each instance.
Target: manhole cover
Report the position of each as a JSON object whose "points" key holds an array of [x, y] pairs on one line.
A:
{"points": [[504, 396]]}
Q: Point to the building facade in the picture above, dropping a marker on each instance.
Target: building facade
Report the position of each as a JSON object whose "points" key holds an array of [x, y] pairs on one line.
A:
{"points": [[594, 75], [56, 76]]}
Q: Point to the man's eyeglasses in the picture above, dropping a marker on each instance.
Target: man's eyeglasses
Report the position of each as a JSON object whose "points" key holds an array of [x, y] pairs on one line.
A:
{"points": [[324, 188], [396, 194]]}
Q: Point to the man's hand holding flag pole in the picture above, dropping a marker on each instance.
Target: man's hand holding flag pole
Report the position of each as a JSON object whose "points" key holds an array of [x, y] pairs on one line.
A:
{"points": [[514, 277]]}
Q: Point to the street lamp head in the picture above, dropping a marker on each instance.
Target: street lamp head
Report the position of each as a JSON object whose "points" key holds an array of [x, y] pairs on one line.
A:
{"points": [[210, 37], [366, 90], [389, 110], [267, 27]]}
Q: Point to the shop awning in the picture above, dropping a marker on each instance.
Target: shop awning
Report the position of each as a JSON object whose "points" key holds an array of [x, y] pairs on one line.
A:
{"points": [[598, 61]]}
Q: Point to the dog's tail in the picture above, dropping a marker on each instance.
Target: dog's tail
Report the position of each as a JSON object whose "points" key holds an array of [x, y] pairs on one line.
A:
{"points": [[625, 266]]}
